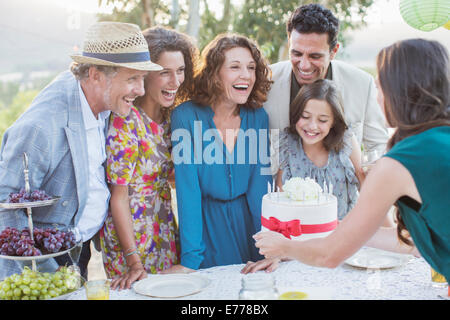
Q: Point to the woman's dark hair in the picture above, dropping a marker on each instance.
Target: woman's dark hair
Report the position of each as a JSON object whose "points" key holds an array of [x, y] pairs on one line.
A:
{"points": [[414, 76], [324, 90], [207, 85], [162, 39], [314, 18]]}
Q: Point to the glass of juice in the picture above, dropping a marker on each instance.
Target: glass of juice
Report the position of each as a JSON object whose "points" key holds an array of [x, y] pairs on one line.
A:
{"points": [[97, 289], [437, 279]]}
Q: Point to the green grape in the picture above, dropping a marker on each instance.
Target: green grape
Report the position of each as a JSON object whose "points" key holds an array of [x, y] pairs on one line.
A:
{"points": [[6, 286], [10, 294], [26, 280], [33, 285], [59, 283], [53, 293], [17, 292], [26, 290]]}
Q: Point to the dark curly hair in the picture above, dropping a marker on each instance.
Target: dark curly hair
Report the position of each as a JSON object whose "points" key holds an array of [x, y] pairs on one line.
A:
{"points": [[414, 76], [314, 18], [207, 85], [162, 39]]}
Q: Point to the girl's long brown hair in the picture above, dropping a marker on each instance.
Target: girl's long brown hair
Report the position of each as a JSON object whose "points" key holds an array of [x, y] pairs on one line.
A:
{"points": [[414, 78]]}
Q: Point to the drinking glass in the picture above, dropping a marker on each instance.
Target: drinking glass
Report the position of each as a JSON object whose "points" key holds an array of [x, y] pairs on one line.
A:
{"points": [[437, 279], [97, 289], [368, 159]]}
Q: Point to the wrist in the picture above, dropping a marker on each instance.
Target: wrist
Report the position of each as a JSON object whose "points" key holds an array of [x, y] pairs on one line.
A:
{"points": [[135, 265]]}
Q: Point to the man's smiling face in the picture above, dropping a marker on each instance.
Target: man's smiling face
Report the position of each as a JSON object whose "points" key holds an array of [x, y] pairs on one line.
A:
{"points": [[310, 55]]}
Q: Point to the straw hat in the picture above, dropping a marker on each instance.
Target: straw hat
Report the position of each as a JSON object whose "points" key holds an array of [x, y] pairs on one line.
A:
{"points": [[116, 44]]}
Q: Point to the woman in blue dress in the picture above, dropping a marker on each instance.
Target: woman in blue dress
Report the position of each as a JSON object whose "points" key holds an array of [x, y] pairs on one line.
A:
{"points": [[221, 156]]}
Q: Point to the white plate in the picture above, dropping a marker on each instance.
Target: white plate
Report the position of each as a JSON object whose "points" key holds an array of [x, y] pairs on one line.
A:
{"points": [[371, 258], [171, 285]]}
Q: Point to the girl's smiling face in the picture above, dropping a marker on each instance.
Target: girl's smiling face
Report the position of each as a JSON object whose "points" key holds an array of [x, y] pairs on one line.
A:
{"points": [[315, 122]]}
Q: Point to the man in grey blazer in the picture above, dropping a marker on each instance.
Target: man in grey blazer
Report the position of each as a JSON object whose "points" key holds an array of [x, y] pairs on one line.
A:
{"points": [[312, 32], [63, 134]]}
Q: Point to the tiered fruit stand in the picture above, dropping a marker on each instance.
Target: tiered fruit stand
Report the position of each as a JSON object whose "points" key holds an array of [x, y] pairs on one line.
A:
{"points": [[28, 206]]}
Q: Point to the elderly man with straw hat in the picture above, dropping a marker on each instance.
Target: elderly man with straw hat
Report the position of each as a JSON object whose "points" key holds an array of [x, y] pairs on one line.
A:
{"points": [[63, 135]]}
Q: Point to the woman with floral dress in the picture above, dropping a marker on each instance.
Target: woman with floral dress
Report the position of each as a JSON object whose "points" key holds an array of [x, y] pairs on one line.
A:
{"points": [[140, 234]]}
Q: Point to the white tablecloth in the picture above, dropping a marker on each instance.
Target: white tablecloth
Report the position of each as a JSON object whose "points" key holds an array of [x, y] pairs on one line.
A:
{"points": [[411, 281]]}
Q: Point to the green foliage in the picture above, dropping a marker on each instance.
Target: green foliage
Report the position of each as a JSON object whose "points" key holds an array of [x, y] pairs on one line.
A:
{"points": [[262, 20], [19, 104], [8, 91], [265, 22], [133, 11]]}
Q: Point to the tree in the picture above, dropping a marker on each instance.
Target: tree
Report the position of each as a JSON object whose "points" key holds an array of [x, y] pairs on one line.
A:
{"points": [[265, 20], [19, 104], [144, 13], [262, 20]]}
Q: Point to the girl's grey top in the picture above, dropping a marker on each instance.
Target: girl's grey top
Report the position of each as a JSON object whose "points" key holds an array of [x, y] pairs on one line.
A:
{"points": [[339, 171]]}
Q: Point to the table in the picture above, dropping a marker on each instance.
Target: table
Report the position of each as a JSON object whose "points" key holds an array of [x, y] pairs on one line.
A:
{"points": [[410, 281]]}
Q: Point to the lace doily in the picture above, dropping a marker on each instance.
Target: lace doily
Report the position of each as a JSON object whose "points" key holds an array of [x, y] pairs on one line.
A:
{"points": [[410, 281]]}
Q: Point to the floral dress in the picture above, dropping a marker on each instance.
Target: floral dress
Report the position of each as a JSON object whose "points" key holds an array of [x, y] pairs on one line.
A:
{"points": [[339, 170], [138, 155]]}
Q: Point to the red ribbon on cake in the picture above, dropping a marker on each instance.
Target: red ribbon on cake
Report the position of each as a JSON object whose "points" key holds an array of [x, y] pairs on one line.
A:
{"points": [[295, 228]]}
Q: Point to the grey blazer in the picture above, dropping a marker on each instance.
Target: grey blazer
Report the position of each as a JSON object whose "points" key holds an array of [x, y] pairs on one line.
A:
{"points": [[53, 135], [361, 110]]}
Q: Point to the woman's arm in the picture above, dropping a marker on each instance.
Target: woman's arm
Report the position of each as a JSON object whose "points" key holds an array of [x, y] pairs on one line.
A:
{"points": [[123, 224], [387, 182], [386, 239]]}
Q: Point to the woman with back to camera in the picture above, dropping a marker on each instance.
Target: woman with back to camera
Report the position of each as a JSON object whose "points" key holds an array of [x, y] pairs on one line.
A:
{"points": [[140, 235], [414, 92], [222, 176]]}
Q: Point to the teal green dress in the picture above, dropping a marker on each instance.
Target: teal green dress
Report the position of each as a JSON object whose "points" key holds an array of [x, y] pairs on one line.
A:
{"points": [[427, 158], [219, 193]]}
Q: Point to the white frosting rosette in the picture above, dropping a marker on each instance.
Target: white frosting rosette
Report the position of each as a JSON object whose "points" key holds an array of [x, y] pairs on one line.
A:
{"points": [[299, 189]]}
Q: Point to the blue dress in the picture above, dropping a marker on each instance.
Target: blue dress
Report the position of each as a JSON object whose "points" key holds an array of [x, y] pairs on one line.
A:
{"points": [[219, 193]]}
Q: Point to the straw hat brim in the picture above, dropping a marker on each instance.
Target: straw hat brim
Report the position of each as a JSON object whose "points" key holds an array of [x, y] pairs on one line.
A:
{"points": [[144, 66]]}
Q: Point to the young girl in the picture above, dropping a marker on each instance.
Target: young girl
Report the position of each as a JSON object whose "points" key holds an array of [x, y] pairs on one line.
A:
{"points": [[319, 145]]}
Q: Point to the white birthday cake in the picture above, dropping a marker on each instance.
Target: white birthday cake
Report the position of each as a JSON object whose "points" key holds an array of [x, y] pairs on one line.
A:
{"points": [[302, 211]]}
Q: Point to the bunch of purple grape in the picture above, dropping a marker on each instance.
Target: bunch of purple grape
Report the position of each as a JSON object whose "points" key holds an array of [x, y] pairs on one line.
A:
{"points": [[23, 196], [52, 240], [19, 243]]}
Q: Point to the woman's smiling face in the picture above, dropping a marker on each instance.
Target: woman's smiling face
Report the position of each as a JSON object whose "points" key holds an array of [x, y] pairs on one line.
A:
{"points": [[237, 75], [161, 86]]}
